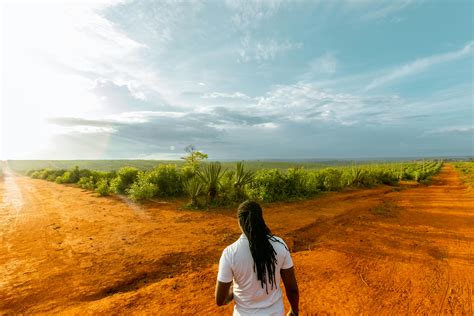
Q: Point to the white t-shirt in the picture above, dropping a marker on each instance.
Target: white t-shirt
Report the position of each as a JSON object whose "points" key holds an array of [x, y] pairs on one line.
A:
{"points": [[250, 298]]}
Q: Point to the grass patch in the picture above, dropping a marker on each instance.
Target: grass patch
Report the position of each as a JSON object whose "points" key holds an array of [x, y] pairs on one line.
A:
{"points": [[385, 209]]}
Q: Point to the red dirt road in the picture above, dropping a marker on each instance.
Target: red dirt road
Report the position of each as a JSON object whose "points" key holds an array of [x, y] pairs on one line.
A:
{"points": [[377, 251]]}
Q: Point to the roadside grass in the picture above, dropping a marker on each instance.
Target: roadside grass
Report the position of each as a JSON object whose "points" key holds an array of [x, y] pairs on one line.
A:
{"points": [[211, 185], [466, 169], [385, 209]]}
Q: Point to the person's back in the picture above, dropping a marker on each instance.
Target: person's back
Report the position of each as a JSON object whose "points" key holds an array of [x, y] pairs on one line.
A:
{"points": [[256, 263]]}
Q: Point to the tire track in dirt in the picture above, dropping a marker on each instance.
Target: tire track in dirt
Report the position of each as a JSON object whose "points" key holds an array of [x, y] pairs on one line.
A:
{"points": [[420, 258]]}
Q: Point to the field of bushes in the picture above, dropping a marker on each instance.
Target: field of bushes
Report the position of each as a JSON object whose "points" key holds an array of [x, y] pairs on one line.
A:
{"points": [[211, 184], [466, 169], [23, 166]]}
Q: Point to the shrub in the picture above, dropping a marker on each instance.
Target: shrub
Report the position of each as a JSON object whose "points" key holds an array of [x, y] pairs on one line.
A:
{"points": [[384, 176], [35, 174], [54, 174], [65, 178], [315, 181], [99, 175], [296, 180], [85, 173], [273, 185], [168, 179], [30, 172], [103, 187], [44, 173], [124, 179], [332, 179], [267, 185], [86, 183], [193, 188], [241, 179], [211, 175], [227, 191], [142, 188], [70, 176], [354, 176]]}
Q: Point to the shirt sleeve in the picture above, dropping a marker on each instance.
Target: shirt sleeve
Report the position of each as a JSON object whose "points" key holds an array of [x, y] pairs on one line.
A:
{"points": [[225, 274], [287, 262]]}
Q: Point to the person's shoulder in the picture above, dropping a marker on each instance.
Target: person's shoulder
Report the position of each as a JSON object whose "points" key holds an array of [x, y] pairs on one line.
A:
{"points": [[232, 248], [279, 240]]}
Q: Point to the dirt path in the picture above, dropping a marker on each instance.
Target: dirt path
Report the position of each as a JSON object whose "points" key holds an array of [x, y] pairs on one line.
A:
{"points": [[409, 250]]}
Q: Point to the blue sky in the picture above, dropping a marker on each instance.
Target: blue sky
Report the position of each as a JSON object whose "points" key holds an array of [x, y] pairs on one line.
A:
{"points": [[238, 79]]}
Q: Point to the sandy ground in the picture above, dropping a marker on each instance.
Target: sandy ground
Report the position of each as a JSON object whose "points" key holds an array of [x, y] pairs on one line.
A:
{"points": [[405, 250]]}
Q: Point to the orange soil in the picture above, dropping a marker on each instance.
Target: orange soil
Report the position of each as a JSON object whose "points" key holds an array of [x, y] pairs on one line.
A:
{"points": [[375, 251]]}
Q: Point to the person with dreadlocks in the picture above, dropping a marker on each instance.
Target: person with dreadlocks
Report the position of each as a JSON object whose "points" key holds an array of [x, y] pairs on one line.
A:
{"points": [[251, 268]]}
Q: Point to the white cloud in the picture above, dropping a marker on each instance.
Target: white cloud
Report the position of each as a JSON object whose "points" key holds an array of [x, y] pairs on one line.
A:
{"points": [[250, 13], [386, 9], [83, 129], [306, 102], [420, 65], [325, 64], [222, 95], [378, 9], [451, 129], [264, 50], [142, 116], [269, 125]]}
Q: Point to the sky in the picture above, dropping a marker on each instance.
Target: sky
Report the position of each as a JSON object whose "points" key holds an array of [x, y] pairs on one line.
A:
{"points": [[249, 79]]}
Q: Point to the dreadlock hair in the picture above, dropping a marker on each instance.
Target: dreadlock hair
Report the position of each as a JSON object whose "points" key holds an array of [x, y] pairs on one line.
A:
{"points": [[259, 236]]}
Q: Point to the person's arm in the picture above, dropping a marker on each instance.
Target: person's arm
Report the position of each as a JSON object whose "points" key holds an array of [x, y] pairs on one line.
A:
{"points": [[291, 288], [224, 293], [224, 290]]}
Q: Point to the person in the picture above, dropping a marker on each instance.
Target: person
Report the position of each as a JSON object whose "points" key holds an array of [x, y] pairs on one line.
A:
{"points": [[251, 268]]}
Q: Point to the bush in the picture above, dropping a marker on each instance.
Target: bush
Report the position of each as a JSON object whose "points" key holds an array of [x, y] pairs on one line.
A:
{"points": [[86, 183], [43, 173], [296, 180], [168, 179], [193, 188], [99, 175], [71, 176], [228, 193], [103, 187], [142, 188], [273, 185], [332, 179], [267, 186], [31, 172], [241, 178], [210, 176], [384, 176], [124, 179]]}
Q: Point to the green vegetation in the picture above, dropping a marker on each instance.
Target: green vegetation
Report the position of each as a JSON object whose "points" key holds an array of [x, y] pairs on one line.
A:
{"points": [[126, 176], [213, 184], [23, 166], [466, 169], [193, 158], [210, 176], [102, 187], [142, 188]]}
